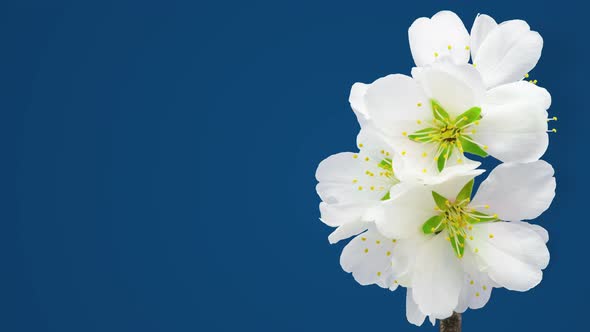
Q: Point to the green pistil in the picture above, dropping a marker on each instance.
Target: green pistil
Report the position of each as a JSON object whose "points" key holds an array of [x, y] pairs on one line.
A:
{"points": [[456, 218], [449, 134]]}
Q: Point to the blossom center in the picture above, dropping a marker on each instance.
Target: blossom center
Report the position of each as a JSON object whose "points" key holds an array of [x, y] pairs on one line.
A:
{"points": [[450, 134], [456, 218]]}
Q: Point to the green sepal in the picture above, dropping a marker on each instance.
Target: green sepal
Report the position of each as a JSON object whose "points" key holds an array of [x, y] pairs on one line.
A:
{"points": [[440, 200], [472, 148], [386, 164], [423, 135], [465, 192], [443, 157], [471, 115], [433, 225], [439, 112], [458, 244], [386, 197]]}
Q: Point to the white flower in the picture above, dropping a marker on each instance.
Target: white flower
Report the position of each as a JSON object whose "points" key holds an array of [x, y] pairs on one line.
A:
{"points": [[451, 250], [503, 53], [444, 110]]}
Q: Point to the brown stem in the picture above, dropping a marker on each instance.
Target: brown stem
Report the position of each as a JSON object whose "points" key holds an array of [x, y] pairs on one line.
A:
{"points": [[451, 324]]}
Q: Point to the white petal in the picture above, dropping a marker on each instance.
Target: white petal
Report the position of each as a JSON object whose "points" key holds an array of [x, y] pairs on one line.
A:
{"points": [[514, 123], [395, 103], [456, 88], [482, 26], [413, 313], [511, 254], [405, 257], [542, 232], [443, 34], [438, 278], [368, 258], [520, 92], [517, 191], [402, 216], [372, 143], [357, 101], [347, 230], [476, 291], [508, 52], [338, 214]]}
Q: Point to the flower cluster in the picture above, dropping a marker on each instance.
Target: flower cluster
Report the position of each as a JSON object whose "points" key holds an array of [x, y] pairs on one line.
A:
{"points": [[406, 195]]}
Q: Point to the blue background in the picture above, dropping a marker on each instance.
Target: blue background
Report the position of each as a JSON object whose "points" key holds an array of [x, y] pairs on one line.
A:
{"points": [[158, 162]]}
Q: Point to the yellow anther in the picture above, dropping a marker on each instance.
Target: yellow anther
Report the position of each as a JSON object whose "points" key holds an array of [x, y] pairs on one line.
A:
{"points": [[403, 153], [554, 130], [378, 274], [382, 151], [474, 65], [449, 47], [476, 123], [473, 131], [366, 250], [418, 122], [459, 161], [554, 118], [395, 282], [419, 104], [471, 238], [361, 145], [378, 242], [484, 287], [495, 216], [394, 240], [354, 181], [355, 156], [372, 188], [388, 253], [448, 239], [363, 239], [360, 187], [526, 75], [476, 250], [423, 154], [491, 236], [471, 282], [467, 48], [404, 133], [432, 229], [366, 158], [485, 147], [387, 153], [477, 294], [470, 227], [424, 170], [435, 54], [486, 206]]}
